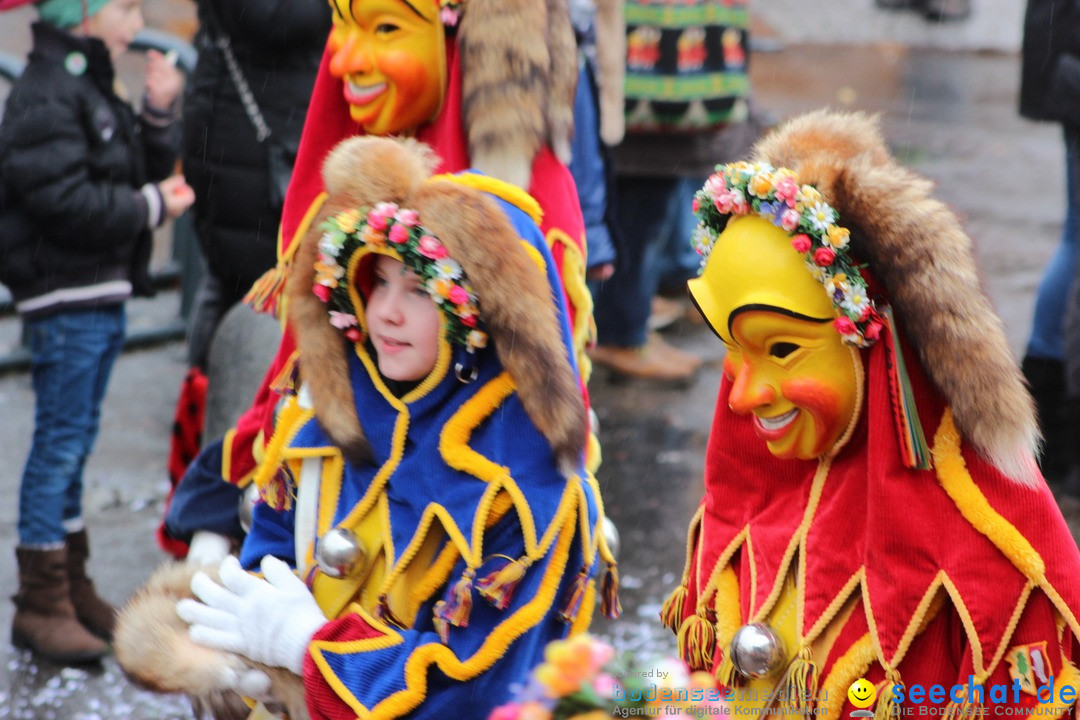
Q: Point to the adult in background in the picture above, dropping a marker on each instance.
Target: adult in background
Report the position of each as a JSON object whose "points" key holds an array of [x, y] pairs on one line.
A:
{"points": [[1050, 91], [674, 131], [243, 112]]}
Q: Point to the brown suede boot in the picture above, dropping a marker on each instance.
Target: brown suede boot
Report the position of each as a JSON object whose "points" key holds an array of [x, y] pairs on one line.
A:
{"points": [[45, 620], [96, 615]]}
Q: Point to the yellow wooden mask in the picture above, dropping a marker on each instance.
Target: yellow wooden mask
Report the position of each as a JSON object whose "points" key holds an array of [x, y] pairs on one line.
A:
{"points": [[788, 365], [391, 57]]}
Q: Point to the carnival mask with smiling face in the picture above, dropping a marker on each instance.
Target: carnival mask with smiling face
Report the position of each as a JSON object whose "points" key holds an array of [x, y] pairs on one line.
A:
{"points": [[390, 55], [788, 365]]}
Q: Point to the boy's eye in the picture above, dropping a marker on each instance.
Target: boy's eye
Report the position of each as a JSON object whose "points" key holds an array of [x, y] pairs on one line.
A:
{"points": [[380, 279], [421, 291], [783, 349]]}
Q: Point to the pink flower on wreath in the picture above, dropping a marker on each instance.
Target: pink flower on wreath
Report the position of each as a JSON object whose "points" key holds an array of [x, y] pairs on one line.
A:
{"points": [[354, 334], [458, 295], [431, 247], [872, 331], [844, 326], [468, 320], [342, 321], [786, 189], [801, 242], [408, 218], [694, 204], [398, 234], [789, 220], [715, 185], [824, 256], [377, 221], [322, 292], [730, 201]]}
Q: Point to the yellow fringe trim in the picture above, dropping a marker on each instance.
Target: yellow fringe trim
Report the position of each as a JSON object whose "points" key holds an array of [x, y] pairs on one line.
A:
{"points": [[416, 667], [886, 705], [848, 668], [727, 605], [954, 478], [577, 292], [290, 422], [500, 189], [802, 682], [454, 438], [585, 614]]}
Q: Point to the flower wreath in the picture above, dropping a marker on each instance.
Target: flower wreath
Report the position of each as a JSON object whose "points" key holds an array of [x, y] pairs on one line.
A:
{"points": [[742, 188], [388, 226]]}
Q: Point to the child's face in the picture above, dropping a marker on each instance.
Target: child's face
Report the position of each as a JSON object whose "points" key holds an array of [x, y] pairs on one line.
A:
{"points": [[402, 321], [116, 25]]}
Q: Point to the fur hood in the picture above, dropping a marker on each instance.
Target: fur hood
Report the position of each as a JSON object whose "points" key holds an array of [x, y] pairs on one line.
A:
{"points": [[519, 75], [915, 246], [517, 302]]}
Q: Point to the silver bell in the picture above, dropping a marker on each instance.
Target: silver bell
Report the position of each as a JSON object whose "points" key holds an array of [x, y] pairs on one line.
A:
{"points": [[248, 498], [339, 553], [756, 650], [611, 535]]}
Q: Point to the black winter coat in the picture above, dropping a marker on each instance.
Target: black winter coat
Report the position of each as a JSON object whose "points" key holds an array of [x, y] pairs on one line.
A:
{"points": [[1050, 72], [73, 157], [278, 45]]}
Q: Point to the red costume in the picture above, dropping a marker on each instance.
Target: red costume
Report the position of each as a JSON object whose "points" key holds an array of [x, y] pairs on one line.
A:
{"points": [[899, 569]]}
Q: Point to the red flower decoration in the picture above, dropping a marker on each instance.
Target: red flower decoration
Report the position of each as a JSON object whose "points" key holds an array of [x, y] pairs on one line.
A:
{"points": [[844, 326], [801, 242], [824, 256], [322, 292]]}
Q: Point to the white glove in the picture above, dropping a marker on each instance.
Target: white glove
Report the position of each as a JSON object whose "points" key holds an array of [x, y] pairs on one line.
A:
{"points": [[270, 621], [207, 548]]}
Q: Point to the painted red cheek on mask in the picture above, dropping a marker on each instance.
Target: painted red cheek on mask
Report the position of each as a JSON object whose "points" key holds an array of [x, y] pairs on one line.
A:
{"points": [[821, 401]]}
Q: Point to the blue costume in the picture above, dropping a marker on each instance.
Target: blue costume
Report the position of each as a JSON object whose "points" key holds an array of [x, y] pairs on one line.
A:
{"points": [[475, 520]]}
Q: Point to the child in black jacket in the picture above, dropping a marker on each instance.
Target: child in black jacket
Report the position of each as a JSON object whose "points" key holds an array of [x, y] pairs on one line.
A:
{"points": [[79, 171]]}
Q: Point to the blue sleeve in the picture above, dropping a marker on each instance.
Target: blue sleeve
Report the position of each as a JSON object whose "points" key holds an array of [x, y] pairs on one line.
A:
{"points": [[204, 500]]}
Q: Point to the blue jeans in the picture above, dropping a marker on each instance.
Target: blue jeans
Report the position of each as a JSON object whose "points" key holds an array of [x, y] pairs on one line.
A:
{"points": [[72, 355], [1047, 327], [653, 215]]}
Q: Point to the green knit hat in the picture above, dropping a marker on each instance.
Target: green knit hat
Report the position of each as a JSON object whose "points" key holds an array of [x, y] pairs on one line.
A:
{"points": [[67, 13]]}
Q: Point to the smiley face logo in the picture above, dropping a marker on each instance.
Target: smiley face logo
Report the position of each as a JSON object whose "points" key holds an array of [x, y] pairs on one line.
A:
{"points": [[862, 693]]}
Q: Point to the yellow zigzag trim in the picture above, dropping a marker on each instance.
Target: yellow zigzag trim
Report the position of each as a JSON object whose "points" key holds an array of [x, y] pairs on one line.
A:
{"points": [[500, 189], [955, 479], [848, 668], [428, 654], [577, 292]]}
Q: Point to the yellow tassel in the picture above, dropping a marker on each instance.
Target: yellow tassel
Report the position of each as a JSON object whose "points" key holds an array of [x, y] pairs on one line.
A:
{"points": [[457, 609], [885, 705], [438, 619], [802, 682], [574, 596], [498, 586], [264, 294], [726, 674], [697, 640], [609, 593], [671, 613]]}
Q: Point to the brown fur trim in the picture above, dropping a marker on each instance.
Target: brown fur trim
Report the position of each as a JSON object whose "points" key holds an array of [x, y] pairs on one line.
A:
{"points": [[611, 69], [153, 647], [562, 85], [359, 172], [516, 301], [916, 246], [519, 74], [517, 306]]}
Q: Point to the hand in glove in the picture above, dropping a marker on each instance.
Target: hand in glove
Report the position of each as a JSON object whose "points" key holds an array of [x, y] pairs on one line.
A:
{"points": [[270, 621]]}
